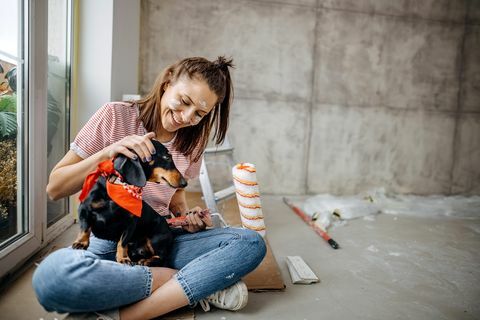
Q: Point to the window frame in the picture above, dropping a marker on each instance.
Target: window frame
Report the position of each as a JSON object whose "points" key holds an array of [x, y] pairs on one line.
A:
{"points": [[32, 148]]}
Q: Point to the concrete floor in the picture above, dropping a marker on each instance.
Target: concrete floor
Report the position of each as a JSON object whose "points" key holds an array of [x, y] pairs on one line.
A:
{"points": [[389, 267]]}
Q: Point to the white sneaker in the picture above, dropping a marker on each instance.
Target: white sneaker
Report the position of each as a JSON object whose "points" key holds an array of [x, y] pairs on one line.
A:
{"points": [[232, 298], [113, 314]]}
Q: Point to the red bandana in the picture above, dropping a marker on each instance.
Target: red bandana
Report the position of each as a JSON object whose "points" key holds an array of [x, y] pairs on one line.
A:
{"points": [[127, 196]]}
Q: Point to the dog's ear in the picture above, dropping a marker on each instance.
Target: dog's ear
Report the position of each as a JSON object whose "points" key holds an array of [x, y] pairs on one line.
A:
{"points": [[131, 170]]}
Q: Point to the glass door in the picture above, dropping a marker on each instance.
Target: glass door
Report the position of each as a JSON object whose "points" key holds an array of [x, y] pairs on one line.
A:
{"points": [[13, 218], [34, 115], [58, 95]]}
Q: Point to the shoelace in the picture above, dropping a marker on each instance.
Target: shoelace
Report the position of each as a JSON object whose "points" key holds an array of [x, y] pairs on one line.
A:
{"points": [[205, 305], [101, 316], [218, 297]]}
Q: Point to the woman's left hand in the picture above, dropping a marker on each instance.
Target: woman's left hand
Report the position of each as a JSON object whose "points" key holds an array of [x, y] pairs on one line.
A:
{"points": [[196, 222]]}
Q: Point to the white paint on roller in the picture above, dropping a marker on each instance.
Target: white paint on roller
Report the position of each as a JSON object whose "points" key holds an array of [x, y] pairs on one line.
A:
{"points": [[248, 197]]}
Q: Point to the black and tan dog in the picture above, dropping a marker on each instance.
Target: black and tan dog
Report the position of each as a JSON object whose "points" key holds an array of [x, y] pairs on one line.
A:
{"points": [[111, 207]]}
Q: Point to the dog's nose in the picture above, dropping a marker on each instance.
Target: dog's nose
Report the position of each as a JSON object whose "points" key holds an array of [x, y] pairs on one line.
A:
{"points": [[183, 182]]}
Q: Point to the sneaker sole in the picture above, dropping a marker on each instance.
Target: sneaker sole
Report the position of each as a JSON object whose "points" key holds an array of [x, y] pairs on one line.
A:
{"points": [[243, 300]]}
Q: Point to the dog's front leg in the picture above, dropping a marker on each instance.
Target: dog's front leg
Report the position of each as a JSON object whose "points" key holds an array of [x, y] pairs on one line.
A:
{"points": [[83, 239], [122, 245]]}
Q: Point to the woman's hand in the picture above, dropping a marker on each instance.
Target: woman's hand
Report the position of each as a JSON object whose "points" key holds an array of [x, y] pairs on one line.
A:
{"points": [[196, 221], [140, 145]]}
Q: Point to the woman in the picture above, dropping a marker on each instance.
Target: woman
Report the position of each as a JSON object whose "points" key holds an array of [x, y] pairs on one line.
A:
{"points": [[187, 100]]}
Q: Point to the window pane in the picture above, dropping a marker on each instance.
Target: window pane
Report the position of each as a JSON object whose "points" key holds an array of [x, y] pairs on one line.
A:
{"points": [[58, 94], [12, 220]]}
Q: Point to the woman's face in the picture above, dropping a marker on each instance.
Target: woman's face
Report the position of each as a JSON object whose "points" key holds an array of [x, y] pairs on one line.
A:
{"points": [[185, 102]]}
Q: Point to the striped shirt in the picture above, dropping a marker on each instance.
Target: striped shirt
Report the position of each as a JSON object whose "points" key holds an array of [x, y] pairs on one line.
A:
{"points": [[113, 122]]}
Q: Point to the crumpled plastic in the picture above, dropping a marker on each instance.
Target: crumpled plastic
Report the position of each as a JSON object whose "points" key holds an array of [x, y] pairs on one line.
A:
{"points": [[326, 209]]}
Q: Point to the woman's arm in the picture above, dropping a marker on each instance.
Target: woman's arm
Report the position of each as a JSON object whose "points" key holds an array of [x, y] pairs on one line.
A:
{"points": [[68, 175]]}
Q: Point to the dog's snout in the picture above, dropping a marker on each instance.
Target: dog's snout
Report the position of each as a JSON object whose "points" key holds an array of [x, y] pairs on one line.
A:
{"points": [[183, 183]]}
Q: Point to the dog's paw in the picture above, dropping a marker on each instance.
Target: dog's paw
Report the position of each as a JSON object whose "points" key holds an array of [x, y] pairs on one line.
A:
{"points": [[152, 261], [125, 260], [81, 245], [143, 262]]}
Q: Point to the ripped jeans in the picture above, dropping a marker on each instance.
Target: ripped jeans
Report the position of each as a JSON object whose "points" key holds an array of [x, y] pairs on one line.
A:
{"points": [[70, 280]]}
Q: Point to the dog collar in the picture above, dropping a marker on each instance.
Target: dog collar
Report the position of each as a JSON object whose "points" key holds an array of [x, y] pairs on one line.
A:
{"points": [[127, 196]]}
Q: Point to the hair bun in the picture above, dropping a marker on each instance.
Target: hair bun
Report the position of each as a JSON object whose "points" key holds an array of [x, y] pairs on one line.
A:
{"points": [[223, 63]]}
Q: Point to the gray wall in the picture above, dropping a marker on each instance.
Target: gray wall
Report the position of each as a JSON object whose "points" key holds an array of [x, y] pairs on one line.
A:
{"points": [[338, 96]]}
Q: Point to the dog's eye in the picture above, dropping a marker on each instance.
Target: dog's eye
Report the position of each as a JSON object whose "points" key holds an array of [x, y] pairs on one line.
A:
{"points": [[167, 157]]}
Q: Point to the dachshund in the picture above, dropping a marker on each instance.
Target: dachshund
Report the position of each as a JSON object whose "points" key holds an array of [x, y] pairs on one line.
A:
{"points": [[111, 207]]}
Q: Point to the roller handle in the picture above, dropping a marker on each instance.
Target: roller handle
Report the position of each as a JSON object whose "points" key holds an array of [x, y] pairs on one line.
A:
{"points": [[309, 221]]}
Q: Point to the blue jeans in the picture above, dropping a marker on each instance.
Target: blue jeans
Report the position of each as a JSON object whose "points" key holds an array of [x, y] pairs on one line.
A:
{"points": [[70, 280]]}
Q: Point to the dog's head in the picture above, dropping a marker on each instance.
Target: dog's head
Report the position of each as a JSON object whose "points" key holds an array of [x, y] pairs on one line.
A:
{"points": [[161, 169]]}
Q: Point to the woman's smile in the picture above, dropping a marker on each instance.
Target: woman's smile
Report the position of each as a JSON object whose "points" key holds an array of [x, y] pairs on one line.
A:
{"points": [[175, 121]]}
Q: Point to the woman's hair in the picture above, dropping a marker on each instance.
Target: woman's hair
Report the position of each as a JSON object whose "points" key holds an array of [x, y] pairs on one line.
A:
{"points": [[217, 76]]}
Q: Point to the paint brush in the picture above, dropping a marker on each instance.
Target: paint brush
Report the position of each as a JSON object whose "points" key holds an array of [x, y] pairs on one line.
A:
{"points": [[312, 224], [182, 220]]}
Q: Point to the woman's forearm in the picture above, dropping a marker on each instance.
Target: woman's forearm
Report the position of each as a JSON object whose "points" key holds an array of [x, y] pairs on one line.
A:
{"points": [[68, 176]]}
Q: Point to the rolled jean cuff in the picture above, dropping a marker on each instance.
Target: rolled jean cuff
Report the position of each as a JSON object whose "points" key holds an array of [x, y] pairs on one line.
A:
{"points": [[186, 289], [148, 281]]}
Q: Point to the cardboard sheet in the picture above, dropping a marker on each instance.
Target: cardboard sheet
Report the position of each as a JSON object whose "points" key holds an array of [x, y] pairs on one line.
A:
{"points": [[267, 276]]}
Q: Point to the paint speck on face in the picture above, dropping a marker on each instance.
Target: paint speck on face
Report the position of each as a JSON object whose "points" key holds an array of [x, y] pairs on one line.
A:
{"points": [[203, 104], [174, 104]]}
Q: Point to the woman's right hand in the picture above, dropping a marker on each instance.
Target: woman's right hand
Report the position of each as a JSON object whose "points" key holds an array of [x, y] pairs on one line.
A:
{"points": [[68, 175], [140, 145]]}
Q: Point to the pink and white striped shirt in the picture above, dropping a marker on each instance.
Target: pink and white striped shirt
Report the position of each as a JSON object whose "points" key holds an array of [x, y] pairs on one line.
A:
{"points": [[116, 120]]}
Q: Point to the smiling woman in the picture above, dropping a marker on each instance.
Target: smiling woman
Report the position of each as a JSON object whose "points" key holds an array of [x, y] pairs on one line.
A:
{"points": [[194, 95], [187, 101]]}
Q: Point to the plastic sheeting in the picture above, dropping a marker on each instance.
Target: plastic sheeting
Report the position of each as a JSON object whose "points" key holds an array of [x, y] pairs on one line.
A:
{"points": [[326, 208]]}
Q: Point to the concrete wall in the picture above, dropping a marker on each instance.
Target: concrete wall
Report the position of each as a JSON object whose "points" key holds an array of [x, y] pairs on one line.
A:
{"points": [[338, 96]]}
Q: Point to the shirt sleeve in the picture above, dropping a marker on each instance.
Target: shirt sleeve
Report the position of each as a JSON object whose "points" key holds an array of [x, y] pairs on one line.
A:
{"points": [[96, 133], [193, 171]]}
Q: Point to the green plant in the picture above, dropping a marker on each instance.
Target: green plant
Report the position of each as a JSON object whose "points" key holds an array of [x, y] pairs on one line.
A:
{"points": [[8, 103], [8, 106], [8, 124], [8, 116]]}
